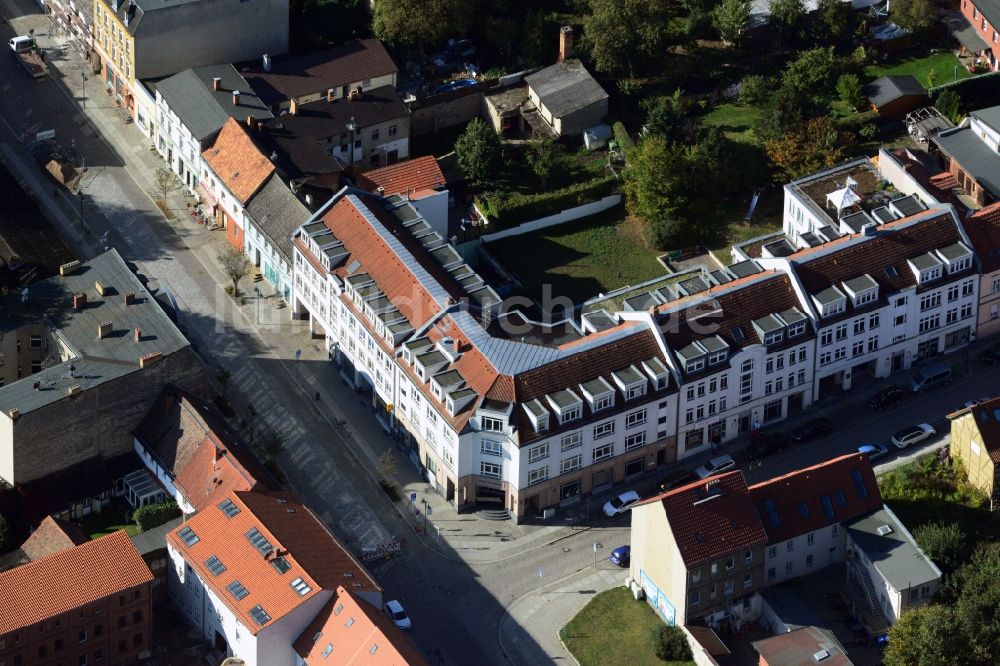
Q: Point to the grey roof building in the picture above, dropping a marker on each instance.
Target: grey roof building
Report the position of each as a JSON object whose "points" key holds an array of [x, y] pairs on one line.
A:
{"points": [[112, 348], [964, 151], [569, 100], [276, 213], [202, 99], [895, 95]]}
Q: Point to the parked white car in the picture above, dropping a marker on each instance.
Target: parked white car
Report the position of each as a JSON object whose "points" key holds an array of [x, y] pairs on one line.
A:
{"points": [[620, 504], [395, 611], [912, 435], [715, 466]]}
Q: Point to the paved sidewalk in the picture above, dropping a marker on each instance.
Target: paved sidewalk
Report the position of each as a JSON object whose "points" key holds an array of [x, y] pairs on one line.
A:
{"points": [[547, 610]]}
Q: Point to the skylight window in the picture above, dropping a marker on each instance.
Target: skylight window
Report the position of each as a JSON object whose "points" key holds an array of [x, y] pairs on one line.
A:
{"points": [[260, 615], [301, 587], [328, 649], [859, 483], [828, 508], [260, 541], [804, 510], [229, 508], [237, 590], [214, 565], [188, 536], [772, 513], [337, 609], [280, 564], [840, 498], [891, 272], [374, 649]]}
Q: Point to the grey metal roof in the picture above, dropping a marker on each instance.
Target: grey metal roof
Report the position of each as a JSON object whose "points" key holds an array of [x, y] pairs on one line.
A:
{"points": [[596, 387], [954, 251], [95, 360], [908, 206], [713, 343], [989, 116], [829, 295], [565, 87], [204, 111], [768, 324], [792, 316], [966, 33], [924, 261], [277, 213], [973, 155], [887, 89], [894, 555], [156, 538], [564, 398], [860, 283]]}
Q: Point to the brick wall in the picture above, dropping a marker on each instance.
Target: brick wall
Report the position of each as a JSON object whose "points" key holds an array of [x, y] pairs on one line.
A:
{"points": [[445, 110], [100, 420], [984, 28]]}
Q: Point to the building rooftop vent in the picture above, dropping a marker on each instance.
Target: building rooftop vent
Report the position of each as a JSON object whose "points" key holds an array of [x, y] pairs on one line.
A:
{"points": [[884, 530], [821, 655]]}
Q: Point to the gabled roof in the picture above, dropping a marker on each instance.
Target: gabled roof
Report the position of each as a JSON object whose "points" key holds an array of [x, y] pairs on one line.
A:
{"points": [[190, 438], [299, 76], [201, 109], [53, 536], [404, 177], [986, 417], [895, 243], [800, 646], [712, 518], [888, 89], [237, 161], [565, 87], [69, 579], [983, 230], [797, 503], [346, 631], [247, 532], [277, 213]]}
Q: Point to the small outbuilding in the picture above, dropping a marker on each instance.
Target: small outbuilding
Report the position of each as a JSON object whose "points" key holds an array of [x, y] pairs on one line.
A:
{"points": [[896, 96]]}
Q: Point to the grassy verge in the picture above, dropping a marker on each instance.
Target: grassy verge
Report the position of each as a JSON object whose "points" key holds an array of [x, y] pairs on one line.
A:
{"points": [[766, 219], [614, 628], [580, 259], [733, 119], [943, 65], [110, 520]]}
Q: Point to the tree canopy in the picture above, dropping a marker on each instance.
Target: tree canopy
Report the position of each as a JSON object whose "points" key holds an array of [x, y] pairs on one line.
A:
{"points": [[917, 16], [808, 147], [479, 152], [732, 19], [621, 35], [416, 23], [922, 637]]}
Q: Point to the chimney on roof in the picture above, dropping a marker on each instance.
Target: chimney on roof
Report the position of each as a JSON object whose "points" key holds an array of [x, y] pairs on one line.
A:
{"points": [[147, 360], [104, 330], [138, 334], [216, 454], [74, 390], [251, 124], [381, 191], [266, 62], [331, 93], [236, 98], [79, 301], [457, 346], [100, 288], [67, 269], [216, 83], [565, 42], [14, 413], [130, 298], [293, 107]]}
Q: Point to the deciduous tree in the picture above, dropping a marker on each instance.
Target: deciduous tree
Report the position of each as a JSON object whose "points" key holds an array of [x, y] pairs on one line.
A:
{"points": [[917, 16], [479, 151], [622, 34], [835, 18], [811, 146], [923, 636], [732, 19], [787, 16], [544, 158], [849, 90], [417, 23], [945, 543], [235, 265]]}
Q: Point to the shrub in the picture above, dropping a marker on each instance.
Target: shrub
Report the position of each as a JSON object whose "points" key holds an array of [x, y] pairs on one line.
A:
{"points": [[849, 91], [856, 122], [671, 644], [153, 515], [753, 90], [509, 210], [943, 543], [622, 136]]}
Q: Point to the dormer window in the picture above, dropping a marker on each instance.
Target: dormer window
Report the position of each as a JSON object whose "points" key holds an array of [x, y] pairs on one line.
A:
{"points": [[831, 301], [926, 267], [566, 404], [657, 371], [599, 394], [797, 329], [694, 365], [630, 381], [538, 414], [717, 349], [694, 356], [796, 322], [774, 337], [770, 328], [491, 424], [956, 257]]}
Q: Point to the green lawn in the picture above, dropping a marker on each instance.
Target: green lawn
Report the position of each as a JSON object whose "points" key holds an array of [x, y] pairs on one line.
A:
{"points": [[766, 219], [614, 628], [942, 63], [580, 259], [110, 520], [734, 119]]}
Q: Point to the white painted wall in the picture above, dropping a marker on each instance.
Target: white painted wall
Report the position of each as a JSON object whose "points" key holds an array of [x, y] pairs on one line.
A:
{"points": [[434, 209], [827, 547], [6, 449], [163, 476], [987, 134], [567, 215]]}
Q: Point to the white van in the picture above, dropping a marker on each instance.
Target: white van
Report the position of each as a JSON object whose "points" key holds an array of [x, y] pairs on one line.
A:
{"points": [[21, 44], [929, 376]]}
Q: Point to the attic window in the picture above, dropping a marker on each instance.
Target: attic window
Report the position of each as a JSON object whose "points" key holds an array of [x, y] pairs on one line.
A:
{"points": [[328, 649], [337, 609], [301, 587], [260, 615], [318, 635], [280, 565], [237, 590], [891, 272], [738, 334], [188, 536], [229, 508], [214, 565], [259, 541]]}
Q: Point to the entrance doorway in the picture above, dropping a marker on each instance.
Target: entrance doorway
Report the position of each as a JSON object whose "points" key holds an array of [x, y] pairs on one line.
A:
{"points": [[450, 491], [601, 480], [743, 424], [569, 491], [897, 361], [488, 495]]}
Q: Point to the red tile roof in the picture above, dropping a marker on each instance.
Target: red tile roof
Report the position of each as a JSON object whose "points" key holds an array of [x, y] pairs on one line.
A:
{"points": [[53, 536], [294, 532], [896, 242], [300, 76], [712, 518], [987, 421], [69, 579], [352, 644], [798, 647], [237, 162], [404, 177], [983, 230], [802, 492], [214, 470]]}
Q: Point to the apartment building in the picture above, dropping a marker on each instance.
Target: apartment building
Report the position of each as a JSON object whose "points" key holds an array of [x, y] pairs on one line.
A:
{"points": [[270, 218], [83, 605], [233, 170], [137, 40], [420, 180], [493, 407], [24, 346], [983, 40], [698, 552], [983, 230], [252, 571]]}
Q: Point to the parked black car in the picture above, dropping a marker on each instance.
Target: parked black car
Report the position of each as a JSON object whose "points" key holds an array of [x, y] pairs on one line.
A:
{"points": [[766, 445], [676, 479], [811, 430], [889, 397], [991, 356]]}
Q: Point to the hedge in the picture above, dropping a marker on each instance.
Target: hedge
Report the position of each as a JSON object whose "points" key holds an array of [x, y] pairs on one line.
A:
{"points": [[977, 92], [153, 515], [855, 121], [509, 210]]}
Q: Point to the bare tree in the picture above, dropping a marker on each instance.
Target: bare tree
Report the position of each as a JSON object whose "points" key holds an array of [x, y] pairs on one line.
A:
{"points": [[387, 465], [165, 183], [235, 264], [274, 444]]}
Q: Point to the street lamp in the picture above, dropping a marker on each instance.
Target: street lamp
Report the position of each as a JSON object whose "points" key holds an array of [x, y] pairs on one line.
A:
{"points": [[250, 408], [352, 127], [83, 89], [257, 293]]}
